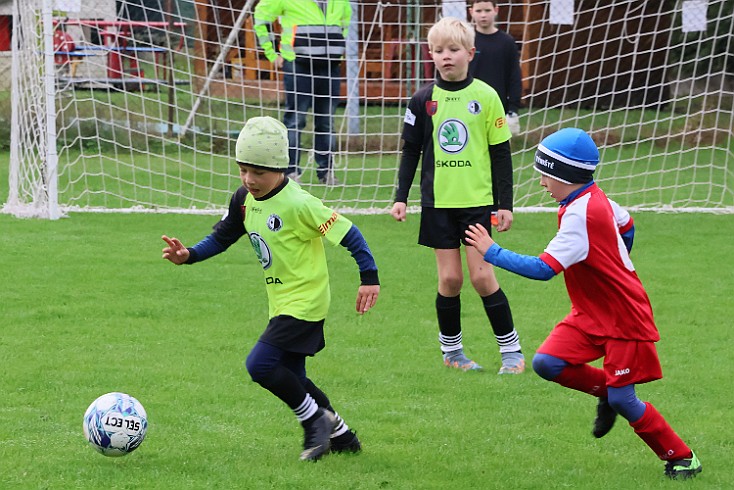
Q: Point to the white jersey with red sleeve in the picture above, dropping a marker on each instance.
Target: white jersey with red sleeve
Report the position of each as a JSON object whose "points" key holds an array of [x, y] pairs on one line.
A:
{"points": [[607, 297]]}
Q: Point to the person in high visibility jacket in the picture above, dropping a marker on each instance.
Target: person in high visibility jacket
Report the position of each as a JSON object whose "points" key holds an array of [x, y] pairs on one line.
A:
{"points": [[312, 45]]}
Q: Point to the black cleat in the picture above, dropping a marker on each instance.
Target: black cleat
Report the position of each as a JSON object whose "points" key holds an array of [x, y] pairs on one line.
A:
{"points": [[605, 417], [346, 443], [317, 439], [683, 468], [329, 179]]}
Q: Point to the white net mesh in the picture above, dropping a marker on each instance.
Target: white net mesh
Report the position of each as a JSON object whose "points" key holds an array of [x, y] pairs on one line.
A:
{"points": [[136, 105]]}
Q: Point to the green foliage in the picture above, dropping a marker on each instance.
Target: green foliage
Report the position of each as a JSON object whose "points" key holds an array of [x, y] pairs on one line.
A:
{"points": [[90, 307]]}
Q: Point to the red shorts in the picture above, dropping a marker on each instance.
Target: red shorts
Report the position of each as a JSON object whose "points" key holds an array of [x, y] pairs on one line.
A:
{"points": [[626, 362]]}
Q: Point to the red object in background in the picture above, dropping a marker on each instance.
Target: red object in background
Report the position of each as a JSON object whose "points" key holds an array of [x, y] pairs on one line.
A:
{"points": [[115, 35], [6, 32], [494, 219], [65, 43]]}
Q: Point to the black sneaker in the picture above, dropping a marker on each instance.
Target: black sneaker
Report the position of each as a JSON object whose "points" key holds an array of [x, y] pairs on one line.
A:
{"points": [[317, 436], [329, 179], [683, 468], [605, 417], [346, 443]]}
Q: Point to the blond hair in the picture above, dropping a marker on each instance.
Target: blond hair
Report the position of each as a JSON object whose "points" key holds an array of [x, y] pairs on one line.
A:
{"points": [[451, 30]]}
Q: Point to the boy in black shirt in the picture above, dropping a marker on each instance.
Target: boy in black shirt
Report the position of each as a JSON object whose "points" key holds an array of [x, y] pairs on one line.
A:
{"points": [[497, 61]]}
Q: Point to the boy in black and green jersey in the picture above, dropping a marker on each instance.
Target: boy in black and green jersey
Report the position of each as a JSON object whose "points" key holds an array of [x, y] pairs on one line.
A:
{"points": [[285, 225], [457, 124]]}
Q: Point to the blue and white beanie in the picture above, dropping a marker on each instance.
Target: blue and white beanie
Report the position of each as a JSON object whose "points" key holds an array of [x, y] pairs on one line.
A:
{"points": [[568, 155]]}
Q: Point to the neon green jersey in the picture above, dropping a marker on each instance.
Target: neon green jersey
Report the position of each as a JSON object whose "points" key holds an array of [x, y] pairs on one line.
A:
{"points": [[455, 123], [286, 233]]}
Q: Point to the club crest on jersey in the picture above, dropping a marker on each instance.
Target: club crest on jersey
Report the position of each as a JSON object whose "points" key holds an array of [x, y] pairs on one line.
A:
{"points": [[261, 250], [474, 107], [452, 136], [274, 222], [431, 107]]}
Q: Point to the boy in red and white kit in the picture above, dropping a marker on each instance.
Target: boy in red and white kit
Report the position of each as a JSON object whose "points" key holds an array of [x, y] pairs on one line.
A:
{"points": [[610, 316]]}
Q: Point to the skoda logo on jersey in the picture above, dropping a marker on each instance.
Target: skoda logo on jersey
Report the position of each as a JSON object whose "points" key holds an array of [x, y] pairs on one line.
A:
{"points": [[474, 107], [274, 222], [452, 136], [261, 250]]}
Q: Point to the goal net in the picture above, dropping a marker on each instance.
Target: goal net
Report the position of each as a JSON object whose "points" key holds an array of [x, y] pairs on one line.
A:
{"points": [[135, 105]]}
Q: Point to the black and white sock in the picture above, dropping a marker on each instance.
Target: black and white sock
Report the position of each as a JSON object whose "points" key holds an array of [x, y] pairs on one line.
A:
{"points": [[499, 314], [341, 427], [448, 312], [450, 344], [307, 409]]}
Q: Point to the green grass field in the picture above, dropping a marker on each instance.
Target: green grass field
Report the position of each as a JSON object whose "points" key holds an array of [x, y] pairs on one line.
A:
{"points": [[88, 307]]}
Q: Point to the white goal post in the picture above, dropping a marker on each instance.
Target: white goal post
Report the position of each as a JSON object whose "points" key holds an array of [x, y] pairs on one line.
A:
{"points": [[134, 106]]}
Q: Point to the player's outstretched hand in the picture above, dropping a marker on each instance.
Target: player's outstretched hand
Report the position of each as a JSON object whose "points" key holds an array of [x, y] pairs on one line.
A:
{"points": [[504, 219], [398, 211], [478, 237], [175, 251], [366, 298]]}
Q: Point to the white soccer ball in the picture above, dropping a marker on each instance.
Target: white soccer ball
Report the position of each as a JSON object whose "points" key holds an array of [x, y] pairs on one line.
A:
{"points": [[115, 424]]}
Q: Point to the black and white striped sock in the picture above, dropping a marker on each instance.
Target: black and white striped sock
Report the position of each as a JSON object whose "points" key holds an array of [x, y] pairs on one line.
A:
{"points": [[306, 409], [341, 427], [450, 343], [509, 342]]}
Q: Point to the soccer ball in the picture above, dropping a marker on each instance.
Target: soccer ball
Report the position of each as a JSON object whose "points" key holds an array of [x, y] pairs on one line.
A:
{"points": [[115, 424]]}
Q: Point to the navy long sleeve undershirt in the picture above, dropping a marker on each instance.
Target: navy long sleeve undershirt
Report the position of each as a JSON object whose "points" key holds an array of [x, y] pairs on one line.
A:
{"points": [[356, 244], [208, 247], [628, 237]]}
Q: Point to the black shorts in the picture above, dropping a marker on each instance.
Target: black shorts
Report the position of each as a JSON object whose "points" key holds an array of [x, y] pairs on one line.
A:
{"points": [[294, 335], [444, 228]]}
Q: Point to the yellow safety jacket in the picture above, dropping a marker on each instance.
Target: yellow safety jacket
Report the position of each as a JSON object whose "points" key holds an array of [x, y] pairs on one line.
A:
{"points": [[307, 30]]}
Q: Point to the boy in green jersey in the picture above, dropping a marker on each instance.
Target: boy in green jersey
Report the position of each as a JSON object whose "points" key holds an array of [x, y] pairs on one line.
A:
{"points": [[285, 225], [458, 125]]}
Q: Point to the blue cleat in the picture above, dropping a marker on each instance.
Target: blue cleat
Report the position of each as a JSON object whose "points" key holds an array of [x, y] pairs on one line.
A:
{"points": [[456, 359]]}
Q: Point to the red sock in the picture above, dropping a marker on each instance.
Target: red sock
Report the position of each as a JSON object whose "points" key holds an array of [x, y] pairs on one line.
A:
{"points": [[585, 378], [662, 439]]}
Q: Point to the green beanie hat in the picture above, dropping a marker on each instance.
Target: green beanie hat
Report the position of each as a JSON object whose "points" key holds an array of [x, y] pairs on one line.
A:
{"points": [[263, 142]]}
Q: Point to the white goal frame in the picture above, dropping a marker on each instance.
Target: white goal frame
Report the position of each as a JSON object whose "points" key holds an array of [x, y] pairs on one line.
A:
{"points": [[651, 81]]}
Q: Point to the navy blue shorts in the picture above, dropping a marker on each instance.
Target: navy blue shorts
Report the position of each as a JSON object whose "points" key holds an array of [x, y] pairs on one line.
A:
{"points": [[294, 335], [444, 228]]}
